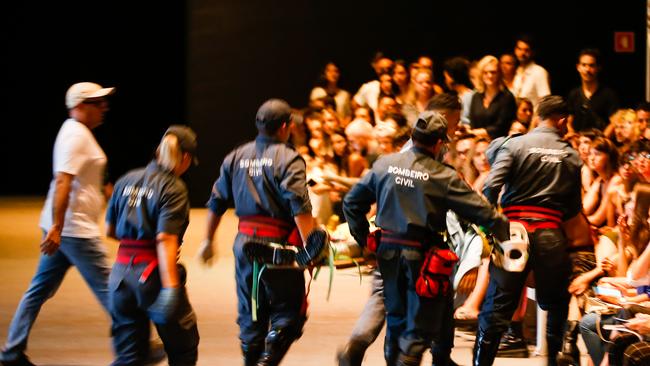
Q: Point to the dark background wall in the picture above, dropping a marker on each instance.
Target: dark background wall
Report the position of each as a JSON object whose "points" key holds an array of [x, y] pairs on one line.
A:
{"points": [[138, 47], [212, 63]]}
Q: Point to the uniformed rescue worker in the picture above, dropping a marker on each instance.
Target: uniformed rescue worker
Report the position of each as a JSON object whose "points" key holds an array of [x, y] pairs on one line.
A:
{"points": [[149, 213], [541, 175], [265, 179], [413, 192], [372, 319]]}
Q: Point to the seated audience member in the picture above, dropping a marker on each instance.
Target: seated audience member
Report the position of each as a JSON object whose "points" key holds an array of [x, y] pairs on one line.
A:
{"points": [[328, 86], [493, 107], [456, 73], [402, 78], [642, 118], [480, 163], [623, 129], [603, 160], [461, 149], [633, 257], [368, 94], [365, 113], [423, 82], [583, 146], [361, 141]]}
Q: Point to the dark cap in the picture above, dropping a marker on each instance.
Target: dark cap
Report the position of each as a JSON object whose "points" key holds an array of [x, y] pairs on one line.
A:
{"points": [[186, 139], [430, 127], [272, 114]]}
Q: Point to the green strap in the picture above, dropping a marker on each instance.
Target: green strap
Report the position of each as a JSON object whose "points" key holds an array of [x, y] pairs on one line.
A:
{"points": [[330, 262], [257, 274]]}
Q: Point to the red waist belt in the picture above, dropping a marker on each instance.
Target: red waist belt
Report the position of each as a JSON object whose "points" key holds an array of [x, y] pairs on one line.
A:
{"points": [[534, 217], [138, 251], [270, 228]]}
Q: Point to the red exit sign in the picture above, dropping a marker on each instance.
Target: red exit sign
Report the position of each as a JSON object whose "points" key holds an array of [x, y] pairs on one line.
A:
{"points": [[623, 42]]}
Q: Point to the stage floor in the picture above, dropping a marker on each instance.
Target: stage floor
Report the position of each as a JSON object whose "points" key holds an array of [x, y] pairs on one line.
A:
{"points": [[73, 329]]}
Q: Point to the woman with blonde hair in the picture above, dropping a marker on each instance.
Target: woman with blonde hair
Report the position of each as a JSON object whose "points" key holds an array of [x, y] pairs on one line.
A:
{"points": [[423, 86], [623, 128], [149, 213], [493, 107]]}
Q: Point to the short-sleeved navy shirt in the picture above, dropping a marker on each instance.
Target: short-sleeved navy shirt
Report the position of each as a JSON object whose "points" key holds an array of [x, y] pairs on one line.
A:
{"points": [[148, 201], [263, 177]]}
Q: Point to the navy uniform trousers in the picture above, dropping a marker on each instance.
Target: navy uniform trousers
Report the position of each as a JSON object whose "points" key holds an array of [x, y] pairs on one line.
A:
{"points": [[129, 299]]}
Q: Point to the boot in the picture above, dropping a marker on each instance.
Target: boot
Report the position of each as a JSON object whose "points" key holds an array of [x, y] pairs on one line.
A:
{"points": [[22, 360], [251, 353], [391, 353], [409, 360], [485, 348], [352, 354], [277, 345], [440, 361], [156, 352], [570, 355], [513, 343]]}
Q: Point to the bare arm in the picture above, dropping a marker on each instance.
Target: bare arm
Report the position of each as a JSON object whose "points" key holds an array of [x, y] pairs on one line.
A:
{"points": [[305, 224], [167, 249], [599, 217], [207, 250], [60, 201], [110, 231], [212, 223], [641, 266], [590, 199]]}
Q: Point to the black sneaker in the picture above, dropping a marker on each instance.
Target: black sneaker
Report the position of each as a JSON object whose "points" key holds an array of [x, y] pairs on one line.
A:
{"points": [[22, 360], [512, 346]]}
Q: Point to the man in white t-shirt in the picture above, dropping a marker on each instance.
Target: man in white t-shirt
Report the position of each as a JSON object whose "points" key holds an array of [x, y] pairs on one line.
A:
{"points": [[368, 94], [70, 216], [531, 80]]}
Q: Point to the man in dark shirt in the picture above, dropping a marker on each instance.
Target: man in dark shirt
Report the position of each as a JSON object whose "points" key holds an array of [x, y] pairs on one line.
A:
{"points": [[590, 104], [265, 179], [541, 176], [413, 192]]}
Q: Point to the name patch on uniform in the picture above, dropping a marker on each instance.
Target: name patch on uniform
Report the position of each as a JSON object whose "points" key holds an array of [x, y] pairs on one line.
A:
{"points": [[405, 176], [136, 193], [255, 166], [548, 155]]}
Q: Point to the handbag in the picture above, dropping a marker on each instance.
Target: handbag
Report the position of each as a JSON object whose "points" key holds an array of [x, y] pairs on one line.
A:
{"points": [[435, 272]]}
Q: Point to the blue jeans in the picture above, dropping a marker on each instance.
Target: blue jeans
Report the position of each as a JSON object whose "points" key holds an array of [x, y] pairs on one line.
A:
{"points": [[595, 346], [88, 255], [373, 316]]}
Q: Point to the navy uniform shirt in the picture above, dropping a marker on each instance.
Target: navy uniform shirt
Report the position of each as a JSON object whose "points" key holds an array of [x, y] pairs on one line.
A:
{"points": [[148, 201], [264, 177], [413, 192], [537, 169]]}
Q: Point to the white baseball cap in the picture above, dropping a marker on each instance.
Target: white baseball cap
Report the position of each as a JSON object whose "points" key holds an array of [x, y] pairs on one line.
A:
{"points": [[79, 92]]}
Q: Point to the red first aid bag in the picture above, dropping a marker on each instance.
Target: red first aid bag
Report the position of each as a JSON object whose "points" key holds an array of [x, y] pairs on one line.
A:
{"points": [[436, 270], [372, 242]]}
